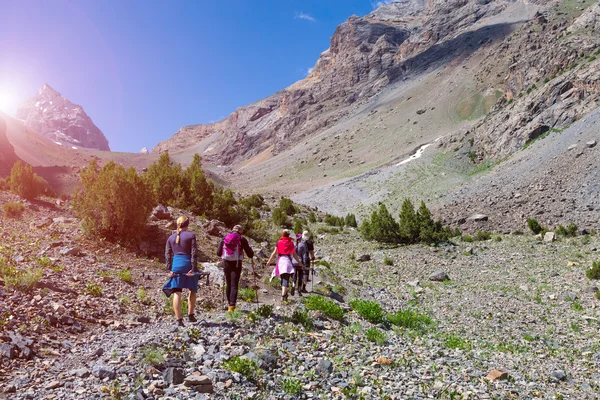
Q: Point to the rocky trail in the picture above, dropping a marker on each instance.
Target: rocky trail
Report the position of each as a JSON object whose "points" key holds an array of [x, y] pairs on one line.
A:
{"points": [[509, 317]]}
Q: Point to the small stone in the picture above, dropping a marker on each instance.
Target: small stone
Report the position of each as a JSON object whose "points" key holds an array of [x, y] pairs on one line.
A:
{"points": [[549, 237], [81, 373], [325, 367], [414, 283], [559, 375], [364, 257], [201, 383], [497, 374], [439, 276], [478, 217], [54, 385], [173, 376], [384, 361], [591, 143], [70, 251], [571, 147], [102, 371]]}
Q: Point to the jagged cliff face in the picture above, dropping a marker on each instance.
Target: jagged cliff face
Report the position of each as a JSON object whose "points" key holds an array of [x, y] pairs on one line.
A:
{"points": [[366, 54], [55, 117], [7, 153], [549, 73]]}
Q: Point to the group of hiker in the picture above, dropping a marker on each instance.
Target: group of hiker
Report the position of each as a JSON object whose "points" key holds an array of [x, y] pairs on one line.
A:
{"points": [[292, 265]]}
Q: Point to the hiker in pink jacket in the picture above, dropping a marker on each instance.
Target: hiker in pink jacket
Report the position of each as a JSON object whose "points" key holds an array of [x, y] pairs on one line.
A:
{"points": [[284, 267], [231, 250]]}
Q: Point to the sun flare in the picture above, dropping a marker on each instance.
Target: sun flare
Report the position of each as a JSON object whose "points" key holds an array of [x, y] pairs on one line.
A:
{"points": [[7, 100]]}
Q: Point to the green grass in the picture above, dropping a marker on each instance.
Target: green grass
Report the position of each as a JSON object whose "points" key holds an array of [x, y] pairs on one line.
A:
{"points": [[264, 310], [452, 341], [244, 366], [142, 296], [376, 336], [340, 289], [44, 262], [93, 289], [301, 317], [125, 276], [388, 261], [291, 385], [369, 310], [153, 355], [411, 319], [23, 281], [247, 294], [326, 306]]}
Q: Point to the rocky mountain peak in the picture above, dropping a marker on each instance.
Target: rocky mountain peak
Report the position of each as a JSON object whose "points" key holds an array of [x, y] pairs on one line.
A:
{"points": [[55, 117]]}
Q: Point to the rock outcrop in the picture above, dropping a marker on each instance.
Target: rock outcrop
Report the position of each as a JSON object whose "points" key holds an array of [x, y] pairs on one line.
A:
{"points": [[55, 117], [366, 55]]}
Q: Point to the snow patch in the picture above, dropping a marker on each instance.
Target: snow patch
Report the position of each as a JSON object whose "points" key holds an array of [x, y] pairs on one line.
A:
{"points": [[58, 143], [417, 154], [74, 148]]}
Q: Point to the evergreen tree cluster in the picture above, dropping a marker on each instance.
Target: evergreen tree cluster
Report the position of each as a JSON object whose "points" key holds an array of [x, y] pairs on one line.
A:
{"points": [[348, 220], [413, 226]]}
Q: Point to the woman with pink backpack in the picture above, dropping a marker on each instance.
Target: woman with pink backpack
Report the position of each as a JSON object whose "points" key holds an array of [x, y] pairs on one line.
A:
{"points": [[231, 250], [284, 267]]}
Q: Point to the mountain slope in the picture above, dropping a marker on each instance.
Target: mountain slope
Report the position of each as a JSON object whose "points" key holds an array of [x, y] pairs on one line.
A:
{"points": [[7, 152], [58, 119], [366, 55]]}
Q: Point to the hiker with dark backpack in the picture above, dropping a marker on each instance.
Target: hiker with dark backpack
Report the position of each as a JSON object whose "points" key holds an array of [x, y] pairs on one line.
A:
{"points": [[231, 250], [299, 281], [284, 268]]}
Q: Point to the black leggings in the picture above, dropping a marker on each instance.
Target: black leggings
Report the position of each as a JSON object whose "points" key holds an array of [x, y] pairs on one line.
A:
{"points": [[233, 271], [299, 277]]}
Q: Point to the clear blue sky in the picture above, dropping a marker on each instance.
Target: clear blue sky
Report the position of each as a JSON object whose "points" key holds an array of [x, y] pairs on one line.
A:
{"points": [[142, 69]]}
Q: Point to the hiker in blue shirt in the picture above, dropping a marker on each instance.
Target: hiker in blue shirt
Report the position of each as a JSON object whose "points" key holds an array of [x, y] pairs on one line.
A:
{"points": [[299, 283], [181, 257], [231, 250]]}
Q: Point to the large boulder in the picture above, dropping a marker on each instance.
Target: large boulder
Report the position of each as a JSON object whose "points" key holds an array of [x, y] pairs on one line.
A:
{"points": [[161, 212]]}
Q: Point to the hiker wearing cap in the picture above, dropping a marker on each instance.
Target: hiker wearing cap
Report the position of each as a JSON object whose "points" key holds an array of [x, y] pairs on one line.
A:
{"points": [[310, 250], [231, 250], [181, 255], [284, 268], [299, 281]]}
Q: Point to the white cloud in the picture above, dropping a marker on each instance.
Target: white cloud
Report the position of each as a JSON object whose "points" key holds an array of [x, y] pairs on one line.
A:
{"points": [[377, 4], [304, 16]]}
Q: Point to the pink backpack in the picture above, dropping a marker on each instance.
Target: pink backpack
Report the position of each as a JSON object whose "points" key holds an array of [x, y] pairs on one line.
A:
{"points": [[232, 247]]}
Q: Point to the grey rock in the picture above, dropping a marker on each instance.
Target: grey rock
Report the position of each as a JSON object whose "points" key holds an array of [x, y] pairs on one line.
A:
{"points": [[439, 276], [101, 371], [364, 257], [173, 376], [591, 143], [70, 251], [478, 217], [549, 237], [161, 212], [81, 373], [559, 375], [325, 367]]}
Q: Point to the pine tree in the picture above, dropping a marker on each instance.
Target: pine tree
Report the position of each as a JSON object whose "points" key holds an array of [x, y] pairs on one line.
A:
{"points": [[409, 223]]}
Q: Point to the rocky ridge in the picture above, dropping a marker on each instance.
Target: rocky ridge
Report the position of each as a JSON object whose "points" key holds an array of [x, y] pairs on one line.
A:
{"points": [[55, 117], [366, 55]]}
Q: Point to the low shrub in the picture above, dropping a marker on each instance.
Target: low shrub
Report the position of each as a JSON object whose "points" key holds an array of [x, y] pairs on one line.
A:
{"points": [[153, 355], [594, 271], [534, 226], [369, 310], [468, 238], [456, 342], [388, 261], [291, 386], [326, 306], [301, 317], [25, 183], [13, 209], [247, 294], [569, 231], [411, 319], [23, 281], [125, 276], [376, 336], [245, 366], [482, 236], [264, 310], [143, 297], [93, 289], [340, 290]]}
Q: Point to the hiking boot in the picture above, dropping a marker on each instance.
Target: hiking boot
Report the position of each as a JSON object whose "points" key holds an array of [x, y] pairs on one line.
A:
{"points": [[180, 322], [293, 290], [192, 318], [231, 308], [284, 299]]}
